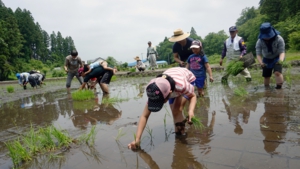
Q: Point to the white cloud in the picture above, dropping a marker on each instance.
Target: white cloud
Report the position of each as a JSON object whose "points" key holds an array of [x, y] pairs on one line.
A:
{"points": [[122, 28]]}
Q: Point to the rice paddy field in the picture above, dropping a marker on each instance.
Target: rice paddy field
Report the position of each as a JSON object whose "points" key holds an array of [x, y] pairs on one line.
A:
{"points": [[241, 125]]}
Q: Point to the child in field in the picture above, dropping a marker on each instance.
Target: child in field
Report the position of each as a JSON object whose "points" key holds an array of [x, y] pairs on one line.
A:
{"points": [[89, 68], [173, 85], [198, 64]]}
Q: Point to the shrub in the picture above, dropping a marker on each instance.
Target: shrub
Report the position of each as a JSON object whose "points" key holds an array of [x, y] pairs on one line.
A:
{"points": [[56, 73], [10, 89]]}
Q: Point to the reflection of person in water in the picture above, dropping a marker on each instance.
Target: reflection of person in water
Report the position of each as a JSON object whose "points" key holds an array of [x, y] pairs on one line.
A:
{"points": [[105, 113], [238, 110], [26, 102], [273, 122], [141, 88]]}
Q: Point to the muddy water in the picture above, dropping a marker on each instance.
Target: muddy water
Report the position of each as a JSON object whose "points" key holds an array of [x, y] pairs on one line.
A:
{"points": [[260, 130]]}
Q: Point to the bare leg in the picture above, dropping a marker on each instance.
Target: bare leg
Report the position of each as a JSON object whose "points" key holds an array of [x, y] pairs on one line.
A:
{"points": [[104, 88], [267, 81], [278, 79], [178, 116]]}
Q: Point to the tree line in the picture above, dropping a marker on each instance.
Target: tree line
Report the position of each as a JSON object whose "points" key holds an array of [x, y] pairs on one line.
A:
{"points": [[283, 15], [24, 45]]}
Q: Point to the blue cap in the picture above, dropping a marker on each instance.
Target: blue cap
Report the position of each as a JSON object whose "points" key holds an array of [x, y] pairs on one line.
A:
{"points": [[232, 29], [266, 31], [18, 75]]}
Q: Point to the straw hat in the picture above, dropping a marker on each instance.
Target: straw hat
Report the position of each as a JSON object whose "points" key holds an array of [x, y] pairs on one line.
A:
{"points": [[137, 58], [178, 35]]}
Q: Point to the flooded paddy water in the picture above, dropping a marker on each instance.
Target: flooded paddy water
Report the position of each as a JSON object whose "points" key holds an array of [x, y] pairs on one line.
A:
{"points": [[258, 130]]}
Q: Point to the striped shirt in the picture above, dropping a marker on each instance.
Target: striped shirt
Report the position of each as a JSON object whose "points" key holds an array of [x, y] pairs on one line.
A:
{"points": [[183, 78]]}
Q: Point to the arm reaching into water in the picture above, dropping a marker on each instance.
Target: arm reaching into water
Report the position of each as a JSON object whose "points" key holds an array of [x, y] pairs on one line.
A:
{"points": [[141, 126]]}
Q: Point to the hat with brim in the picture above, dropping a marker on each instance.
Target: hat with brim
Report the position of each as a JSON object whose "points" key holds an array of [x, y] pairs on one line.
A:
{"points": [[266, 31], [157, 90], [137, 58], [178, 35]]}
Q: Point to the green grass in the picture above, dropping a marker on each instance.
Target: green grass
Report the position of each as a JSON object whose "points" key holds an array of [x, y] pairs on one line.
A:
{"points": [[290, 56], [83, 95], [10, 89]]}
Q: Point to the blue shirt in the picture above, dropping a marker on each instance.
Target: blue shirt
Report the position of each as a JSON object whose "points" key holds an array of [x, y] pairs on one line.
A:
{"points": [[183, 51], [93, 65], [197, 65]]}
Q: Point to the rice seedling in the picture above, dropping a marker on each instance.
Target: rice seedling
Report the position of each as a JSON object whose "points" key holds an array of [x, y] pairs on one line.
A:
{"points": [[83, 95], [242, 92], [234, 67], [90, 137], [120, 134], [10, 89], [197, 123], [62, 138], [46, 139], [149, 131], [13, 153], [288, 74]]}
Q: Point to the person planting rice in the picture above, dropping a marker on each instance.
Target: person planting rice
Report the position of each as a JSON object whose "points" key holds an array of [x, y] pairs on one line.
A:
{"points": [[88, 68], [173, 85], [234, 49], [36, 79], [271, 46], [96, 72], [23, 79]]}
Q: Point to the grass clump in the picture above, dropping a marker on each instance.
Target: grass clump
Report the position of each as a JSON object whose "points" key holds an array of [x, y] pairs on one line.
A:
{"points": [[90, 137], [10, 89], [43, 140], [234, 67], [197, 123], [83, 95], [242, 92]]}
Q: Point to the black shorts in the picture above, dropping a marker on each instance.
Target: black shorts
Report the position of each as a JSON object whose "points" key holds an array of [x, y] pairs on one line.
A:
{"points": [[106, 77], [267, 72]]}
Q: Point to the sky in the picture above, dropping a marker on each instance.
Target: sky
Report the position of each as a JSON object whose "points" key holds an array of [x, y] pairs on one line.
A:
{"points": [[122, 28]]}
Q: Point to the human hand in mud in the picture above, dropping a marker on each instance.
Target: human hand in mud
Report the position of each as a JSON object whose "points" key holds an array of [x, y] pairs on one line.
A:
{"points": [[134, 145]]}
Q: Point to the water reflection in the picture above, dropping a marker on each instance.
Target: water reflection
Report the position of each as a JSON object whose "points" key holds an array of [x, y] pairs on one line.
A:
{"points": [[91, 112], [273, 123], [238, 109]]}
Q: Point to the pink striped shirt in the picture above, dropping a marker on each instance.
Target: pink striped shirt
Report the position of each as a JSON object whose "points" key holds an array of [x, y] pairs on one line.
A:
{"points": [[183, 78]]}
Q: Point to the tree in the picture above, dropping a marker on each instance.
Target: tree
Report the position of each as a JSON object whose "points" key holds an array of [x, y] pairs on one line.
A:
{"points": [[214, 43], [111, 61], [247, 14]]}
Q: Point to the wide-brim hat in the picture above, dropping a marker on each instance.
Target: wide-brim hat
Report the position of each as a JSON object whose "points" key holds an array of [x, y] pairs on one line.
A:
{"points": [[178, 35], [137, 58], [266, 31]]}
